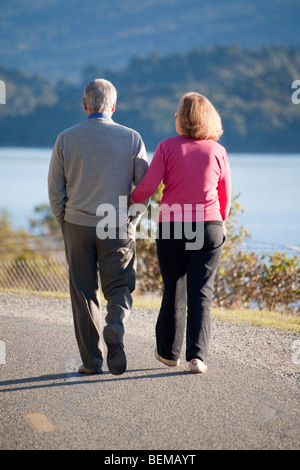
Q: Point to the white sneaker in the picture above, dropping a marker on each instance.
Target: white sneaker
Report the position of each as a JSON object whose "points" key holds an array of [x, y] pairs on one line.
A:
{"points": [[196, 365], [168, 362]]}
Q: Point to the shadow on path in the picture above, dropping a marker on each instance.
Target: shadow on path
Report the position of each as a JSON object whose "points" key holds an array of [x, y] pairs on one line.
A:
{"points": [[68, 378]]}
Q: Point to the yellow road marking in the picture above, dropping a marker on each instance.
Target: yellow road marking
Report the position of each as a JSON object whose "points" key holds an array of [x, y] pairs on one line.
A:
{"points": [[39, 422]]}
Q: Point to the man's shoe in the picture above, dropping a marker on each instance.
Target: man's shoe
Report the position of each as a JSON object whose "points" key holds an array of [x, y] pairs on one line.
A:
{"points": [[85, 370], [196, 366], [167, 362], [116, 358]]}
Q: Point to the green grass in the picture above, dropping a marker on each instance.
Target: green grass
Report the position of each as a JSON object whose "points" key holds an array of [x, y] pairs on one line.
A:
{"points": [[262, 318], [57, 295]]}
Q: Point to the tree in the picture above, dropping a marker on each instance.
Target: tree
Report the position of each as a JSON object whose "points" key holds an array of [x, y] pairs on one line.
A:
{"points": [[12, 243], [46, 225]]}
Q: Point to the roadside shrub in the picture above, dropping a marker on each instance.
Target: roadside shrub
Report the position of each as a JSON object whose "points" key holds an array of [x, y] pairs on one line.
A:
{"points": [[249, 279], [279, 283], [149, 279], [244, 279]]}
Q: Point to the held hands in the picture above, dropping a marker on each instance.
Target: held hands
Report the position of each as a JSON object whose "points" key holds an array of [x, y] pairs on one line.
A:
{"points": [[130, 202]]}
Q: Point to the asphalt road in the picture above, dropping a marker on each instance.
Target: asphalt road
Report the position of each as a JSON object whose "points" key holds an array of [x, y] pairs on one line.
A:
{"points": [[242, 402]]}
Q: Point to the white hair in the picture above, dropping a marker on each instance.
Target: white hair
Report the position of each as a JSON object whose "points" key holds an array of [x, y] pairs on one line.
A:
{"points": [[100, 95]]}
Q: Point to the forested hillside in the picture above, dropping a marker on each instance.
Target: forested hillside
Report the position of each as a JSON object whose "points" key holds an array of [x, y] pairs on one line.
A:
{"points": [[58, 38], [251, 88]]}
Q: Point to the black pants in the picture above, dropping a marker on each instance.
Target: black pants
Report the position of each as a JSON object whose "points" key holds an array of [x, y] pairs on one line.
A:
{"points": [[188, 277]]}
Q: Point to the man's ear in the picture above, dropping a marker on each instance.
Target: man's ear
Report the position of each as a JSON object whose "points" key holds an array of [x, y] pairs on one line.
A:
{"points": [[113, 108], [84, 104]]}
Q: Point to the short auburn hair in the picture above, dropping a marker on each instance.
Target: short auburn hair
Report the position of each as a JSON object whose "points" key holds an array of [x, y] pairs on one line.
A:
{"points": [[198, 117]]}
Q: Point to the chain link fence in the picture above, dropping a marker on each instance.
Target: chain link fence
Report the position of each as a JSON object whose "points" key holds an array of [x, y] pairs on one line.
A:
{"points": [[44, 274], [41, 274]]}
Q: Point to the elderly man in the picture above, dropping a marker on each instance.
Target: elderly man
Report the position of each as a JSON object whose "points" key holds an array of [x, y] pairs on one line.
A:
{"points": [[93, 167]]}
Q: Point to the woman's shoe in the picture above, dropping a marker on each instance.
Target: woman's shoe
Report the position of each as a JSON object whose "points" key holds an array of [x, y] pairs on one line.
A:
{"points": [[196, 365], [167, 362]]}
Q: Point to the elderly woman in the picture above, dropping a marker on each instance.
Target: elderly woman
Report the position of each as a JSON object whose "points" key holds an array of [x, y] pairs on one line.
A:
{"points": [[196, 200]]}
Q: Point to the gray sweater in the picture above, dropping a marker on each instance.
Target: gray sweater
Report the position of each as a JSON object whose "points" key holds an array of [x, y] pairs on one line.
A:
{"points": [[93, 163]]}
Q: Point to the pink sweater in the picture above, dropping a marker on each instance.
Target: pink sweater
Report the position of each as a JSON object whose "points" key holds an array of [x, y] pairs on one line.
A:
{"points": [[196, 176]]}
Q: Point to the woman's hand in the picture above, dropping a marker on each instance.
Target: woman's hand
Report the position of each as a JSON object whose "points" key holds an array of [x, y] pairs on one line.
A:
{"points": [[224, 229]]}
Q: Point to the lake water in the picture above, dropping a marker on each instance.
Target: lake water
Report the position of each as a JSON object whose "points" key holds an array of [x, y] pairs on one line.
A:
{"points": [[269, 188]]}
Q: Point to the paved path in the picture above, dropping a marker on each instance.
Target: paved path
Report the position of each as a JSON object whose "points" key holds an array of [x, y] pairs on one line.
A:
{"points": [[238, 404]]}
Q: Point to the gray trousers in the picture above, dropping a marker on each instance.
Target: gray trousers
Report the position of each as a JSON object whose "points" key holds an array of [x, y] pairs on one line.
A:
{"points": [[87, 257]]}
